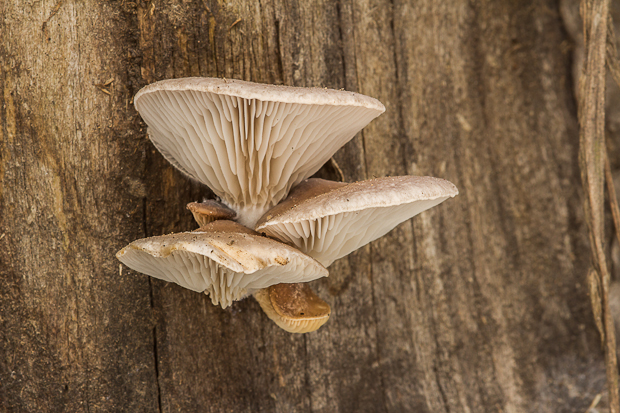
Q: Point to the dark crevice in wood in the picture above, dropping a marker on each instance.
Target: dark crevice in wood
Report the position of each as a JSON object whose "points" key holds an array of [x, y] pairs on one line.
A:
{"points": [[152, 302], [156, 362], [144, 221], [376, 319], [570, 62], [155, 353], [341, 44], [280, 65], [364, 156], [513, 254], [401, 133]]}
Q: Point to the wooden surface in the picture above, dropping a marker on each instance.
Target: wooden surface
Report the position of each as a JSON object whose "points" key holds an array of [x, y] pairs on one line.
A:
{"points": [[476, 305]]}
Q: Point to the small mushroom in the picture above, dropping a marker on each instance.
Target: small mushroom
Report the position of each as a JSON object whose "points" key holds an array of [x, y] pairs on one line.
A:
{"points": [[293, 307], [328, 220], [250, 143], [209, 211], [223, 259]]}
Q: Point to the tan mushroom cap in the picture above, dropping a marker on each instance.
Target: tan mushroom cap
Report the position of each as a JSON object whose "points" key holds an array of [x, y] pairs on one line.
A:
{"points": [[328, 220], [293, 307], [250, 143], [223, 259], [209, 211]]}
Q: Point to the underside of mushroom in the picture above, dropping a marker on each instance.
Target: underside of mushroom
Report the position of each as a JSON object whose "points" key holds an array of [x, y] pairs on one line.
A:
{"points": [[328, 220], [250, 143], [223, 259]]}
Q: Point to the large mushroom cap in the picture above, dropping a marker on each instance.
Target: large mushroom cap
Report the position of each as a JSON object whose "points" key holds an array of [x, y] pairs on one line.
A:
{"points": [[328, 220], [224, 259], [250, 143], [293, 307]]}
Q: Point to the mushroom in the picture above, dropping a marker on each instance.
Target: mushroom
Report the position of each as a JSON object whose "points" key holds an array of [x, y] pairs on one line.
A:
{"points": [[224, 259], [328, 220], [293, 307], [250, 143], [208, 211]]}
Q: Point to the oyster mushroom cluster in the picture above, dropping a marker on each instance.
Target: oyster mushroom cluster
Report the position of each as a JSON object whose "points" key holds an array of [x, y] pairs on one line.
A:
{"points": [[274, 230]]}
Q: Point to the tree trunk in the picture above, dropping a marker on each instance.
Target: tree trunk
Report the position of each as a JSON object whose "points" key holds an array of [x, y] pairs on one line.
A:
{"points": [[478, 305]]}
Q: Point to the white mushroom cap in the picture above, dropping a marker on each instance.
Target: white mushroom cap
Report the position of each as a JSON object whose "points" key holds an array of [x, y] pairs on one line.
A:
{"points": [[293, 307], [250, 143], [327, 220], [224, 259]]}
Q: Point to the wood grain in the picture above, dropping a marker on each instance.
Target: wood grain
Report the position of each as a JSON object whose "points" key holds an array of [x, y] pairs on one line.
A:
{"points": [[479, 304]]}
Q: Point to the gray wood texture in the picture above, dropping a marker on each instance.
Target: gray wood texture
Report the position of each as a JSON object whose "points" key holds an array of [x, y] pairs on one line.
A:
{"points": [[478, 305]]}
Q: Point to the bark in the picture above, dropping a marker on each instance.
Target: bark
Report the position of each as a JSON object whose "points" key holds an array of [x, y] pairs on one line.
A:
{"points": [[477, 305]]}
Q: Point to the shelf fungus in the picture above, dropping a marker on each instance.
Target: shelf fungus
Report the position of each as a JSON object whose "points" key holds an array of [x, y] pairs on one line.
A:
{"points": [[250, 143], [256, 146], [224, 259], [328, 220]]}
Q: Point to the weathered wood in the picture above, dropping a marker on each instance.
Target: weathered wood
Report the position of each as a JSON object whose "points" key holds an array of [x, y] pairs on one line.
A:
{"points": [[477, 305], [75, 333]]}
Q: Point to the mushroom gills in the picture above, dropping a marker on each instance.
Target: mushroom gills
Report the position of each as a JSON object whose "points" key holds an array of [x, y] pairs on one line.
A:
{"points": [[330, 224], [294, 308], [194, 272], [223, 259], [331, 237], [250, 143]]}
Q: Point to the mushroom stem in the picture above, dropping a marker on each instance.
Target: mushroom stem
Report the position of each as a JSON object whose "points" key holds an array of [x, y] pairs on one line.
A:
{"points": [[249, 215]]}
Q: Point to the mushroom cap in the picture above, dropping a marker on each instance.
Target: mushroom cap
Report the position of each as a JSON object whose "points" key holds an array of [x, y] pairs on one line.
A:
{"points": [[250, 143], [328, 220], [223, 259], [293, 307], [208, 211]]}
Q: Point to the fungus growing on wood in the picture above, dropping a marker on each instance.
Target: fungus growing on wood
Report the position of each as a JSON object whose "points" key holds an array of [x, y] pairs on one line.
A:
{"points": [[293, 307], [328, 220], [223, 259], [250, 143]]}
